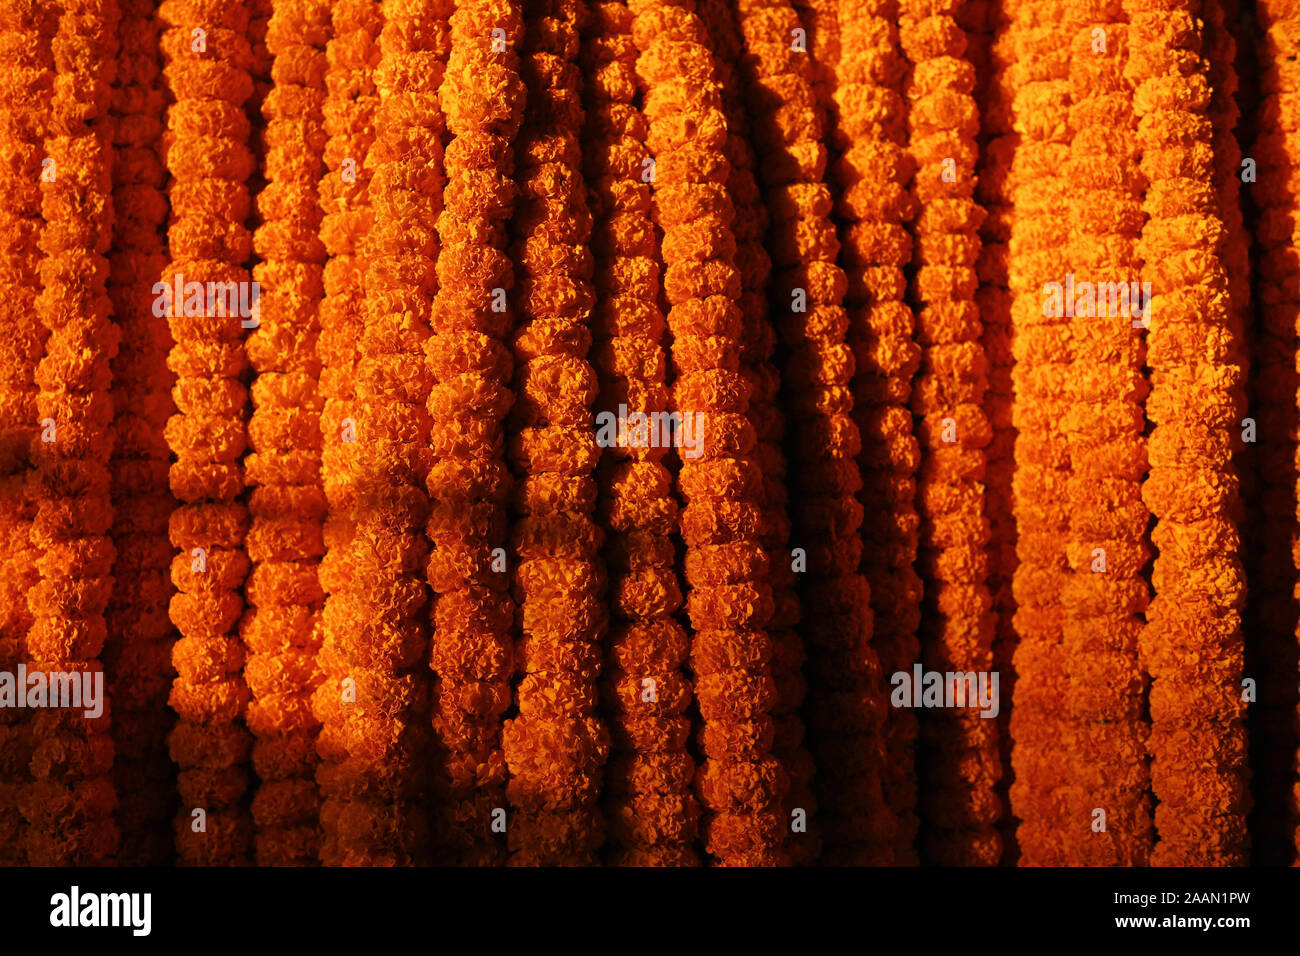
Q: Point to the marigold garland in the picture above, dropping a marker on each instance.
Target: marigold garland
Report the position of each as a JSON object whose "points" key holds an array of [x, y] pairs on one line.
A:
{"points": [[819, 19], [69, 805], [24, 113], [1274, 730], [381, 725], [871, 206], [140, 635], [1191, 645], [285, 541], [1221, 56], [758, 344], [1107, 549], [206, 151], [961, 764], [649, 804], [1037, 254], [994, 301], [740, 783], [260, 15], [348, 116], [469, 483], [556, 747], [819, 368]]}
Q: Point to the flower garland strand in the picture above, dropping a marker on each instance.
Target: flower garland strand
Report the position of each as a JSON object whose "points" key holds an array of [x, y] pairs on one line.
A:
{"points": [[381, 724], [1221, 57], [140, 635], [819, 20], [69, 806], [261, 69], [740, 784], [819, 370], [556, 748], [1037, 255], [992, 191], [25, 90], [1106, 592], [1192, 644], [207, 154], [469, 483], [651, 809], [764, 381], [285, 541], [259, 20], [872, 205], [343, 194], [960, 757], [1277, 381]]}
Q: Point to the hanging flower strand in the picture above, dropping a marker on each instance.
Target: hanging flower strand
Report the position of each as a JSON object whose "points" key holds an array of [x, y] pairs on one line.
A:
{"points": [[25, 90], [871, 206], [469, 483], [69, 806], [1106, 592], [1192, 644], [1277, 383], [1038, 245], [757, 346], [381, 721], [206, 51], [348, 114], [285, 538], [140, 635], [992, 190], [961, 762], [740, 784], [556, 748], [651, 809], [820, 41]]}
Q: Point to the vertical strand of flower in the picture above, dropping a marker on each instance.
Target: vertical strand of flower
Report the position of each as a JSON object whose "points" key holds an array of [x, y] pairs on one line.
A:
{"points": [[872, 204], [961, 764], [140, 635], [70, 804], [205, 46], [1106, 592], [1276, 786], [348, 115], [25, 90], [259, 21], [750, 228], [382, 726], [1224, 113], [469, 483], [994, 300], [740, 784], [285, 541], [651, 809], [1192, 645], [259, 26], [556, 747], [819, 20], [1221, 55], [789, 125], [1037, 255]]}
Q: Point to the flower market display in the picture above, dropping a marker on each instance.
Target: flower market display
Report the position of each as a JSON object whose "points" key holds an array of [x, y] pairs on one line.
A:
{"points": [[661, 433]]}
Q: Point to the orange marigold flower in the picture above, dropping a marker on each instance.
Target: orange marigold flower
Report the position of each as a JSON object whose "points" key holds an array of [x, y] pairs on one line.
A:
{"points": [[470, 372], [206, 151], [69, 805], [1198, 739], [703, 282], [285, 538]]}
